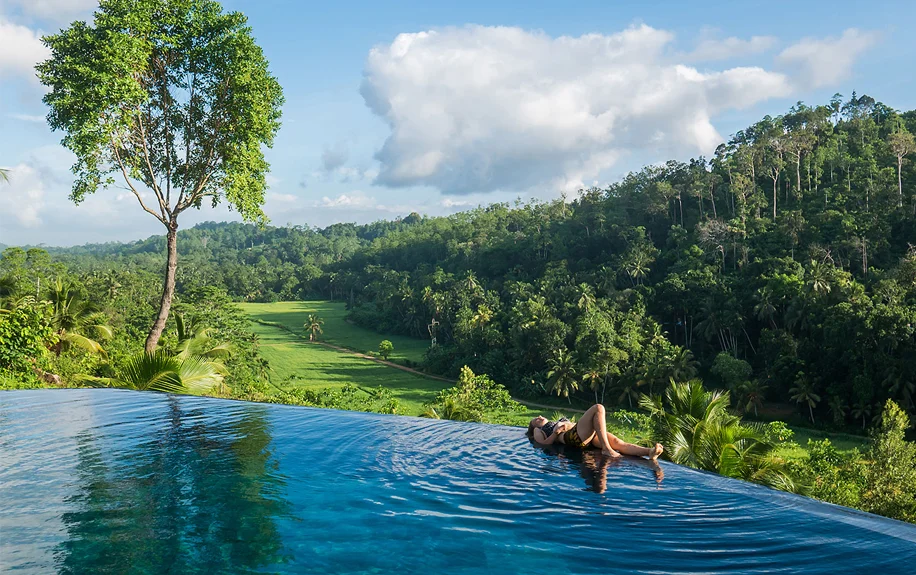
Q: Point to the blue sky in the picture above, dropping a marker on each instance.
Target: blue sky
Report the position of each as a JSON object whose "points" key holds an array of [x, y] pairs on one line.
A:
{"points": [[439, 106]]}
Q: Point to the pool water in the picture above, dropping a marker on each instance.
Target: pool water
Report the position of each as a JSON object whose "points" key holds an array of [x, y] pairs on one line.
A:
{"points": [[108, 481]]}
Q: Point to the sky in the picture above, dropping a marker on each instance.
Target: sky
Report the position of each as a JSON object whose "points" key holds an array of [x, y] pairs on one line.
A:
{"points": [[437, 107]]}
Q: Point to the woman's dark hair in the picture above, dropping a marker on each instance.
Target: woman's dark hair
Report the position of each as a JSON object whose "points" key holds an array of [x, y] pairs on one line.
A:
{"points": [[530, 432]]}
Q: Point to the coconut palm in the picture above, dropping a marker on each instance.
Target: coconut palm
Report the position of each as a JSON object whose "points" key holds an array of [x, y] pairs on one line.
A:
{"points": [[4, 175], [680, 364], [594, 379], [698, 431], [313, 326], [451, 408], [861, 410], [76, 321], [160, 371], [765, 308], [803, 392], [751, 394], [563, 374], [196, 340]]}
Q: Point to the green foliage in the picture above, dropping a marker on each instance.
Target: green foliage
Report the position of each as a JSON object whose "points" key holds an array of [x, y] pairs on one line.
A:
{"points": [[470, 398], [890, 479], [731, 371], [170, 92], [25, 333], [697, 430], [385, 349], [161, 372], [832, 476]]}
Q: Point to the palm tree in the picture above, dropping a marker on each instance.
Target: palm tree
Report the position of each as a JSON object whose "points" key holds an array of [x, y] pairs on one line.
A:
{"points": [[160, 371], [803, 392], [629, 390], [837, 406], [451, 408], [4, 175], [751, 395], [563, 374], [764, 307], [680, 364], [698, 431], [861, 410], [594, 379], [819, 277], [196, 340], [313, 326], [76, 321], [586, 297]]}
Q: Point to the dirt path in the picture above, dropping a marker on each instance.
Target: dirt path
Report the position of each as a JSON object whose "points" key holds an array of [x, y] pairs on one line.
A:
{"points": [[417, 372]]}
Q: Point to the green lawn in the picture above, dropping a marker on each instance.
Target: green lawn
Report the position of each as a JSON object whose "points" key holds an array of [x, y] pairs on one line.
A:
{"points": [[337, 330], [295, 363]]}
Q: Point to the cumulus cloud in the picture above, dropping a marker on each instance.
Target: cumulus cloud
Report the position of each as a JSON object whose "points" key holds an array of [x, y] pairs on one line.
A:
{"points": [[822, 62], [710, 49], [20, 49], [355, 199], [479, 109]]}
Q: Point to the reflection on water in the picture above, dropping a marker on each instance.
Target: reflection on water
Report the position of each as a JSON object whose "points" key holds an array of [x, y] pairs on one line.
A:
{"points": [[593, 465], [195, 493], [105, 481]]}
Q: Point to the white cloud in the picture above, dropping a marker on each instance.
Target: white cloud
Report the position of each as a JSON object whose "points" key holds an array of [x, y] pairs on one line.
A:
{"points": [[450, 203], [281, 198], [23, 197], [27, 118], [822, 62], [20, 49], [479, 109], [53, 10], [355, 199], [710, 49]]}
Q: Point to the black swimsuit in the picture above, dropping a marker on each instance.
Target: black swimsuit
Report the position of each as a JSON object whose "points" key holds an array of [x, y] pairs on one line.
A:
{"points": [[570, 437], [548, 427]]}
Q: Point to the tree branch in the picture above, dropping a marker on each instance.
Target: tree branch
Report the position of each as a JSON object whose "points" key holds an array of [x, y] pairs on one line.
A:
{"points": [[162, 217]]}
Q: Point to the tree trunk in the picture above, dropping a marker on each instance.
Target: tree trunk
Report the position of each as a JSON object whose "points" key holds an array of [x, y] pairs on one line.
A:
{"points": [[900, 180], [811, 411], [712, 198], [774, 199], [168, 287]]}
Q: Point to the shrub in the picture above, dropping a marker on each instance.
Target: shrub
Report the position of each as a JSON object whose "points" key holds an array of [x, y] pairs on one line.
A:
{"points": [[385, 349]]}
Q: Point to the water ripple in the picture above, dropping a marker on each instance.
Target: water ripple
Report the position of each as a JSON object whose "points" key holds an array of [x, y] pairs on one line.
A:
{"points": [[105, 481]]}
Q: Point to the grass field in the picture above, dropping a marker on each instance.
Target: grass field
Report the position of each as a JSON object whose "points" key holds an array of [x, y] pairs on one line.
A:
{"points": [[297, 363], [337, 330]]}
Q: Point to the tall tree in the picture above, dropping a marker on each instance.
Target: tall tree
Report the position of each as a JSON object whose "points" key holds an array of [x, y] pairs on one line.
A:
{"points": [[176, 97], [901, 143]]}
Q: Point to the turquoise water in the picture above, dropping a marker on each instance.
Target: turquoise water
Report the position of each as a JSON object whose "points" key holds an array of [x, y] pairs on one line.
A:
{"points": [[106, 481]]}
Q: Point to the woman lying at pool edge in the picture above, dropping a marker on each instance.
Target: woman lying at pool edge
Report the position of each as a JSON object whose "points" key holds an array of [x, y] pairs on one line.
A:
{"points": [[589, 431]]}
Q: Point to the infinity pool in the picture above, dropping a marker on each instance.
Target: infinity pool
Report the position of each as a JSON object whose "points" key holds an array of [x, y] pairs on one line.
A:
{"points": [[106, 481]]}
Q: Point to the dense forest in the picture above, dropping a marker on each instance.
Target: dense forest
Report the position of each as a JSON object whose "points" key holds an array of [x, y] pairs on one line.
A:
{"points": [[782, 269]]}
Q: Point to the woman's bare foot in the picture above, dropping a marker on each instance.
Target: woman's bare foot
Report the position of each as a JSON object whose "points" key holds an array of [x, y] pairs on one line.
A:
{"points": [[656, 451], [610, 453]]}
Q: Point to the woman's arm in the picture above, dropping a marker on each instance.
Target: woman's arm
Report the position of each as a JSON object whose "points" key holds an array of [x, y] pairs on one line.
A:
{"points": [[542, 439]]}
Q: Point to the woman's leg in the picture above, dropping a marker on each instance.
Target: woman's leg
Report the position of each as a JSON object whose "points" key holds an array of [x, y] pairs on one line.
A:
{"points": [[592, 422], [629, 448]]}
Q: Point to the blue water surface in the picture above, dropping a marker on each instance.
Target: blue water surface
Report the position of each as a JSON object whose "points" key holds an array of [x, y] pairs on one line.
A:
{"points": [[107, 481]]}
